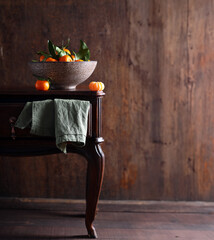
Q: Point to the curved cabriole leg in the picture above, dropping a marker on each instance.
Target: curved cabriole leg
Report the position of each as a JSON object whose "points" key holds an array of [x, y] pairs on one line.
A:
{"points": [[95, 170]]}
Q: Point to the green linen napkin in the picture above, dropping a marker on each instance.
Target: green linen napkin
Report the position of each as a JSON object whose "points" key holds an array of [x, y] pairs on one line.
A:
{"points": [[66, 120], [71, 118], [43, 121]]}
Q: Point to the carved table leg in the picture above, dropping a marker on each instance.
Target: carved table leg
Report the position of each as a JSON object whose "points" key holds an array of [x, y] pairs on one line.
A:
{"points": [[95, 170]]}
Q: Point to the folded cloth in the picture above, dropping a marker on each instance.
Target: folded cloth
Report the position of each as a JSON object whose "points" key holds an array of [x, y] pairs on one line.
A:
{"points": [[66, 120], [43, 120]]}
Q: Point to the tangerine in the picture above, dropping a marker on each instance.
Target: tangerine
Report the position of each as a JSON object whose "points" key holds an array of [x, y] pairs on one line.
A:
{"points": [[96, 86], [66, 50], [41, 58], [42, 85], [51, 60], [65, 58]]}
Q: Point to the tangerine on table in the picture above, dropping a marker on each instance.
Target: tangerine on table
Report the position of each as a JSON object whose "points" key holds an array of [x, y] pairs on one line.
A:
{"points": [[96, 86], [42, 85]]}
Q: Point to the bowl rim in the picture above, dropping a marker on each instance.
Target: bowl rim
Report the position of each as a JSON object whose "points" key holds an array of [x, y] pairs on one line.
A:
{"points": [[65, 62]]}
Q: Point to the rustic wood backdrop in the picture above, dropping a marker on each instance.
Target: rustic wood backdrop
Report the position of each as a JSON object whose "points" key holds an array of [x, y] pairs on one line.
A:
{"points": [[156, 59]]}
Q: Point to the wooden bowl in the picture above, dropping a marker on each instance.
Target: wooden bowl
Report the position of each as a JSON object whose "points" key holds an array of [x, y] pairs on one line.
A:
{"points": [[63, 75]]}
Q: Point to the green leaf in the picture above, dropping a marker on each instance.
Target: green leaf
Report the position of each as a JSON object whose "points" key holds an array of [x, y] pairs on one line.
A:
{"points": [[47, 55], [42, 78], [84, 52], [61, 52], [62, 44], [68, 42], [76, 57], [52, 49], [84, 55], [42, 53], [83, 45]]}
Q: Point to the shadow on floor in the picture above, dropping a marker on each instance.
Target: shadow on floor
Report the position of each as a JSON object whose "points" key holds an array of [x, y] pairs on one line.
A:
{"points": [[44, 237]]}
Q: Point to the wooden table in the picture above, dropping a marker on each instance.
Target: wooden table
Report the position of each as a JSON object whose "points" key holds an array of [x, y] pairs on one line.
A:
{"points": [[17, 142]]}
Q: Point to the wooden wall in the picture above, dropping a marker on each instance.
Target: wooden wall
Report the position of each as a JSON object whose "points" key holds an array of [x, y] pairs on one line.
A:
{"points": [[156, 59]]}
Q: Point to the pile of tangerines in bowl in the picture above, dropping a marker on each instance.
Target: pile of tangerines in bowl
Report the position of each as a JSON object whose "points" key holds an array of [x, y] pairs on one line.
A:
{"points": [[64, 75], [63, 54]]}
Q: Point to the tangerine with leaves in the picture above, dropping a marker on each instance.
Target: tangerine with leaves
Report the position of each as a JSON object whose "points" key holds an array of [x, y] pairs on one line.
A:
{"points": [[65, 58], [42, 85], [96, 86]]}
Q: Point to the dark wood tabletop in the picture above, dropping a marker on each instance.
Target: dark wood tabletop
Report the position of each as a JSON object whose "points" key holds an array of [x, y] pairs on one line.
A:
{"points": [[33, 91]]}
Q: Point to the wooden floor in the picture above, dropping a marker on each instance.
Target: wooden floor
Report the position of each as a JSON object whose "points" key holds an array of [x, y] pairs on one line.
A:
{"points": [[64, 219]]}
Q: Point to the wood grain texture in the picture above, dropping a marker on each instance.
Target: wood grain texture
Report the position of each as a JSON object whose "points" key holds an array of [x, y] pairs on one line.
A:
{"points": [[60, 221], [156, 60]]}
